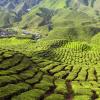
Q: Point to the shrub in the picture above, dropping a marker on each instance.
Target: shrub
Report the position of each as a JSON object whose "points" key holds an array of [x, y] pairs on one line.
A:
{"points": [[34, 94], [11, 89], [82, 97], [61, 86], [35, 79], [55, 97]]}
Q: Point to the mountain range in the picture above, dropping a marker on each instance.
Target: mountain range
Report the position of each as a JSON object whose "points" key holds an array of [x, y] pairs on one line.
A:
{"points": [[16, 9], [74, 18]]}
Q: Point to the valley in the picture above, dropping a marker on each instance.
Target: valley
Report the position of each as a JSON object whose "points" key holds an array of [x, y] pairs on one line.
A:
{"points": [[50, 50], [45, 70]]}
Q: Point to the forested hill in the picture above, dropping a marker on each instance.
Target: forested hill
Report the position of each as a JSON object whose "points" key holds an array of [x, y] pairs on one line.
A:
{"points": [[61, 18], [73, 18]]}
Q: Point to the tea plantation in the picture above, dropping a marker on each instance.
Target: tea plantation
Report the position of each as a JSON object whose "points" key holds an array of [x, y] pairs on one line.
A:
{"points": [[49, 70]]}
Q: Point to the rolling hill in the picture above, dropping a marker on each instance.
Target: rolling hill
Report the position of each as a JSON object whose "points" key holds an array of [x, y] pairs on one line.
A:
{"points": [[54, 17]]}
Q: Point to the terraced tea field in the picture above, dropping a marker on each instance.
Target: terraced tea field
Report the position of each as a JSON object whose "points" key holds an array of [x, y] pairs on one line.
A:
{"points": [[48, 70]]}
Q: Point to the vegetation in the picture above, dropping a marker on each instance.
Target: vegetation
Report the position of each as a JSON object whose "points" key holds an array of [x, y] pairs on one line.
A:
{"points": [[48, 69], [46, 14], [51, 52]]}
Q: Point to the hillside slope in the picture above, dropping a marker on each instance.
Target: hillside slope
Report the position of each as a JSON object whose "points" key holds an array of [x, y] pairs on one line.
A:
{"points": [[48, 70], [63, 16], [74, 19], [6, 18], [18, 7]]}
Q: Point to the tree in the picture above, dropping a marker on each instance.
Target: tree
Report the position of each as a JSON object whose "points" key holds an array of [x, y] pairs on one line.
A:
{"points": [[46, 14]]}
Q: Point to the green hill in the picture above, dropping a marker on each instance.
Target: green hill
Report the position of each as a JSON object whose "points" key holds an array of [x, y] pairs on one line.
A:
{"points": [[18, 7], [6, 18], [52, 17], [63, 63]]}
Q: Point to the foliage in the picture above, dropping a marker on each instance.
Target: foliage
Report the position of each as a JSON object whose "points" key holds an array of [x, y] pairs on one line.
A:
{"points": [[71, 70]]}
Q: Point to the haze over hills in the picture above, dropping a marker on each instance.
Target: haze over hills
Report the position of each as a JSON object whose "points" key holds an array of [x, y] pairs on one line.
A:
{"points": [[53, 16], [81, 16]]}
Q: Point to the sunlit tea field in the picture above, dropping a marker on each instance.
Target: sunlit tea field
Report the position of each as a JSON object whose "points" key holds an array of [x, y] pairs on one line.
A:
{"points": [[48, 70]]}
